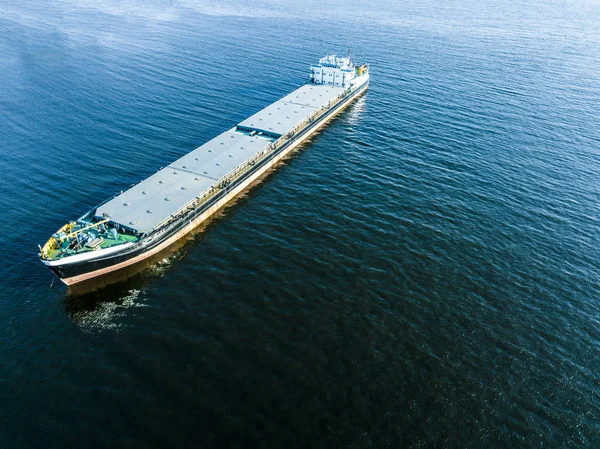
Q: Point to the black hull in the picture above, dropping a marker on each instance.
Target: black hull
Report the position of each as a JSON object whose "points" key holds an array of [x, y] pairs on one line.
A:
{"points": [[150, 242]]}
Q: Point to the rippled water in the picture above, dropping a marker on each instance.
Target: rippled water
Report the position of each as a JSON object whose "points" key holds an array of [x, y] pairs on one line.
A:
{"points": [[423, 273]]}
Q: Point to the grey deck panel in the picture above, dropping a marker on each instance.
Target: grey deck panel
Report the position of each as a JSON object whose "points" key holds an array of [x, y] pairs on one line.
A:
{"points": [[196, 172], [182, 181], [287, 112], [222, 154], [315, 95], [131, 207]]}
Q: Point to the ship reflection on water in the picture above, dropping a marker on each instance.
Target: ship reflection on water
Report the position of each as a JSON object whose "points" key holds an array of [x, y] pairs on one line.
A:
{"points": [[95, 304], [356, 111], [97, 312]]}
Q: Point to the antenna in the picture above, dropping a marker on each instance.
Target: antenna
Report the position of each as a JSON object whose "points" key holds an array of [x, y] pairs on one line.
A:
{"points": [[348, 55]]}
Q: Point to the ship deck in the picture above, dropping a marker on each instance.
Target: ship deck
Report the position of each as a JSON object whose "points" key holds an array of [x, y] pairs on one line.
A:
{"points": [[150, 203], [65, 251]]}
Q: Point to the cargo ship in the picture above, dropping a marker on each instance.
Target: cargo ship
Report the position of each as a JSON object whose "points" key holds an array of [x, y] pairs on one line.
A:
{"points": [[158, 211]]}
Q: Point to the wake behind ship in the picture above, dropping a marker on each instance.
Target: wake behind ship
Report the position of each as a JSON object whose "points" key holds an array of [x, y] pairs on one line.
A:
{"points": [[161, 209]]}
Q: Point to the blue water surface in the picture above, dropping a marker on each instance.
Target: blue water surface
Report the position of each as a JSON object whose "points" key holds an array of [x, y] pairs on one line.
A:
{"points": [[425, 273]]}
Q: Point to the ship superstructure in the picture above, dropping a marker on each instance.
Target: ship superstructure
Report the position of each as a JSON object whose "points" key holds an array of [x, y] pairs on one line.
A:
{"points": [[161, 209]]}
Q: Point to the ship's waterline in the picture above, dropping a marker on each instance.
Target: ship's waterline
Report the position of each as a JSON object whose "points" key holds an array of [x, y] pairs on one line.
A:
{"points": [[118, 234]]}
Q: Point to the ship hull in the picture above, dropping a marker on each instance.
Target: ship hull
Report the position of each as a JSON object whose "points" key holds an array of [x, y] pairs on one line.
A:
{"points": [[73, 273]]}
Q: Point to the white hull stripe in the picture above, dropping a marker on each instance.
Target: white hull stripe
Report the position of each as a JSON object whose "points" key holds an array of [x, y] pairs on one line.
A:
{"points": [[86, 256]]}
